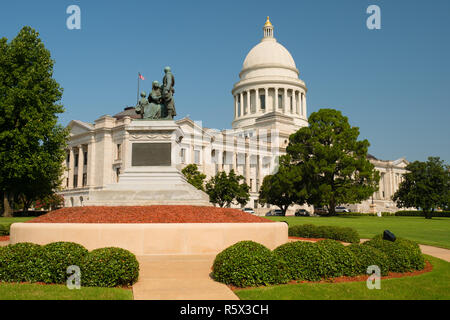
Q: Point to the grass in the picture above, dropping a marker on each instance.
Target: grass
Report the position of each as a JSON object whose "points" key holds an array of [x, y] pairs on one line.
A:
{"points": [[13, 220], [434, 285], [14, 291], [434, 232]]}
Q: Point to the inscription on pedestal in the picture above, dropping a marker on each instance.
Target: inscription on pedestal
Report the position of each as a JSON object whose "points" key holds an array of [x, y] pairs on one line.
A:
{"points": [[151, 154]]}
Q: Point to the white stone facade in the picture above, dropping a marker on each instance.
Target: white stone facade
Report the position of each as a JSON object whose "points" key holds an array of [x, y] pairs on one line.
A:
{"points": [[269, 105]]}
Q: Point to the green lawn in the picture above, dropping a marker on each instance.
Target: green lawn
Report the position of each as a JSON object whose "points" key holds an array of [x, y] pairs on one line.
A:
{"points": [[60, 292], [434, 232], [13, 220], [434, 285]]}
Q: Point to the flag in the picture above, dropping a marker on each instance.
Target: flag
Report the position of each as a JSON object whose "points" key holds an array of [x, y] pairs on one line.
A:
{"points": [[141, 77]]}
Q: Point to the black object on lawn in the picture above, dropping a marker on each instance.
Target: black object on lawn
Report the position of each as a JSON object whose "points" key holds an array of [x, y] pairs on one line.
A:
{"points": [[387, 235]]}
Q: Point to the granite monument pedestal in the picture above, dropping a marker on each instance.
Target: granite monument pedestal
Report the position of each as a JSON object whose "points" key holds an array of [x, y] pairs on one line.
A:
{"points": [[150, 175]]}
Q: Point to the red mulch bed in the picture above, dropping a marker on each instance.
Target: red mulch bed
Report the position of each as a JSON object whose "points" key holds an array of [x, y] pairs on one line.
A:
{"points": [[148, 214], [391, 275], [4, 238]]}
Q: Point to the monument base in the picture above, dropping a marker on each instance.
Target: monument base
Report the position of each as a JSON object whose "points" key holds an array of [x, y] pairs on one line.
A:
{"points": [[156, 186], [151, 175]]}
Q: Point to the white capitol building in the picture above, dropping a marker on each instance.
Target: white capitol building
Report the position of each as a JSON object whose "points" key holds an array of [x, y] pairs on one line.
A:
{"points": [[269, 105]]}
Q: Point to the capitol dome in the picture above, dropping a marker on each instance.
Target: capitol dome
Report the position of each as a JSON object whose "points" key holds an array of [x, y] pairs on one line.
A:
{"points": [[269, 91]]}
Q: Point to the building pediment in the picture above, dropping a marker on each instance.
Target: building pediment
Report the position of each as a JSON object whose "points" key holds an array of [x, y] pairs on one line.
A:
{"points": [[402, 162], [77, 127]]}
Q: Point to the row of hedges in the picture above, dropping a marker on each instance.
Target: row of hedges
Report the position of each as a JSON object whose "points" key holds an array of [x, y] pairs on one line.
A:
{"points": [[345, 234], [362, 214], [248, 263], [437, 214], [106, 267]]}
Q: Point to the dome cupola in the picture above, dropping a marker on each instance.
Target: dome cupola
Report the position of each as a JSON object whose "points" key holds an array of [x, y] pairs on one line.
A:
{"points": [[269, 83]]}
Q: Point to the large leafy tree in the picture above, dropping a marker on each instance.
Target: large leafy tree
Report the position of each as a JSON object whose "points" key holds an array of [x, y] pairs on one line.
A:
{"points": [[285, 188], [225, 189], [426, 186], [333, 161], [194, 176], [31, 141]]}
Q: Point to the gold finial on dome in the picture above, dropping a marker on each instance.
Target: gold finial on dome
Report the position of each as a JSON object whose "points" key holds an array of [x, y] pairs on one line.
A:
{"points": [[268, 23], [268, 30]]}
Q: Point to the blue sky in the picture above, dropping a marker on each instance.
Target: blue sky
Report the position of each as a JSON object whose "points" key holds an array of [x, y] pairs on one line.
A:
{"points": [[393, 83]]}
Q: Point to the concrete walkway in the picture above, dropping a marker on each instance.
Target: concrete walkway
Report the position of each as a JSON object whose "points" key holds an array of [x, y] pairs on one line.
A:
{"points": [[179, 277]]}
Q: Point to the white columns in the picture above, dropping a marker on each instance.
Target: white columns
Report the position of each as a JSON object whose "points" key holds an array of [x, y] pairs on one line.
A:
{"points": [[234, 164], [259, 173], [241, 102], [80, 166], [257, 101], [247, 168], [248, 103], [276, 100], [71, 167], [285, 101], [266, 99], [235, 107], [91, 162], [304, 105], [294, 102]]}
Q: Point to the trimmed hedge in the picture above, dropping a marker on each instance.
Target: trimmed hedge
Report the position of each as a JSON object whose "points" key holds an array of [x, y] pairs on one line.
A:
{"points": [[362, 214], [403, 255], [369, 256], [303, 260], [344, 234], [436, 214], [61, 255], [247, 264], [23, 262], [27, 262], [109, 267]]}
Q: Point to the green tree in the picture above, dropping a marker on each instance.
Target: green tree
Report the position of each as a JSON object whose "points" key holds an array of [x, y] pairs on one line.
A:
{"points": [[31, 141], [426, 186], [194, 177], [284, 188], [225, 189], [333, 162]]}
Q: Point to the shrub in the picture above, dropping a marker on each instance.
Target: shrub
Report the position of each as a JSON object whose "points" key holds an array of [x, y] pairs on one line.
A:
{"points": [[4, 229], [109, 267], [303, 260], [341, 261], [335, 233], [23, 262], [369, 256], [362, 214], [247, 264], [436, 214], [59, 256], [403, 255]]}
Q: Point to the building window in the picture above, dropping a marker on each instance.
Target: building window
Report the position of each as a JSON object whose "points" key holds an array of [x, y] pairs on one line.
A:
{"points": [[117, 174], [85, 160], [262, 99], [119, 152], [183, 155], [251, 185], [68, 158], [76, 160], [67, 182], [280, 101], [197, 156], [75, 181], [84, 179], [292, 104]]}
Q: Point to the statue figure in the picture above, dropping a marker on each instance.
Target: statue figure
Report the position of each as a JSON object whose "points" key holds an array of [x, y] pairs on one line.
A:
{"points": [[143, 105], [156, 110], [167, 93]]}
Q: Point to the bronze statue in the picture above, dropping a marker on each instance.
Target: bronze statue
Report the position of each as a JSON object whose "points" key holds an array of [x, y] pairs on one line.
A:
{"points": [[160, 104], [168, 92]]}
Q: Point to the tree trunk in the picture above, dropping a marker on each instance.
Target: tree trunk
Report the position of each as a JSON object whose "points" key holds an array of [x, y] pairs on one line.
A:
{"points": [[332, 209], [7, 210], [429, 214]]}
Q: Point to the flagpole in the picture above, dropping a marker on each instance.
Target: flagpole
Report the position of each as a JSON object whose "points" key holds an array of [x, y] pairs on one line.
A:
{"points": [[138, 88]]}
